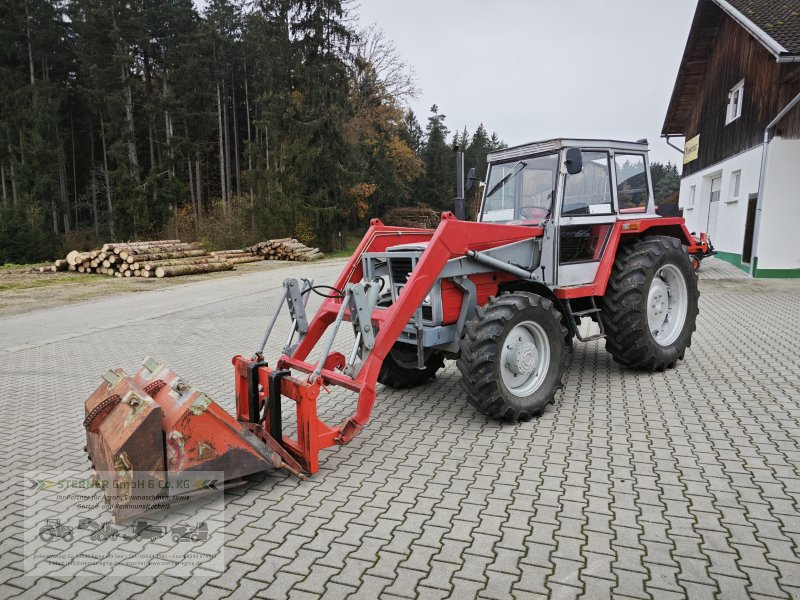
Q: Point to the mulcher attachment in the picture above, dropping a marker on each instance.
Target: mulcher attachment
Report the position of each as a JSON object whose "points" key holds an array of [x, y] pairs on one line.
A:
{"points": [[156, 428]]}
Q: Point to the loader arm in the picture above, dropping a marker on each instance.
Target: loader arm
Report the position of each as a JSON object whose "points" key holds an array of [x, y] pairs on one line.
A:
{"points": [[451, 239], [156, 427]]}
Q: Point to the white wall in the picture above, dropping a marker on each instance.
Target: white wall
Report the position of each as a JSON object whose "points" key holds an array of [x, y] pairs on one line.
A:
{"points": [[779, 235], [732, 211]]}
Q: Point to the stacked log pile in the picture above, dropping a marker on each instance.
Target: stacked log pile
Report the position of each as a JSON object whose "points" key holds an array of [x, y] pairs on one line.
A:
{"points": [[286, 249], [422, 216], [161, 258], [171, 258]]}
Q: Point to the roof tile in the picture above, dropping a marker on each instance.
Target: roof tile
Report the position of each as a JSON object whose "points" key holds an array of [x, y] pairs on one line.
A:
{"points": [[779, 19]]}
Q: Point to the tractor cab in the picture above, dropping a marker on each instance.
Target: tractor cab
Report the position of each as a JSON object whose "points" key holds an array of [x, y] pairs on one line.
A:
{"points": [[576, 190], [578, 177]]}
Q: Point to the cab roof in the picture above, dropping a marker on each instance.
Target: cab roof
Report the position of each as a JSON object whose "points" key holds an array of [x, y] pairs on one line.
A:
{"points": [[558, 143]]}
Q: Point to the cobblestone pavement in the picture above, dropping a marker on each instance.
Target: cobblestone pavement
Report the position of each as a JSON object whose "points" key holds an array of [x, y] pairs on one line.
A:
{"points": [[663, 485]]}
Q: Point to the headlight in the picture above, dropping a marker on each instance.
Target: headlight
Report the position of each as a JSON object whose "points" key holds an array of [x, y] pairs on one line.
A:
{"points": [[427, 299]]}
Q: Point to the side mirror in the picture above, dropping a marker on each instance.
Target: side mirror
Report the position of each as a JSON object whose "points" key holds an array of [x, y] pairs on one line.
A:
{"points": [[470, 179], [574, 161]]}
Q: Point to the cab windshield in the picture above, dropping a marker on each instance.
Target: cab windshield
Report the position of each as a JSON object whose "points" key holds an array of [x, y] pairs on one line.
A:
{"points": [[521, 190]]}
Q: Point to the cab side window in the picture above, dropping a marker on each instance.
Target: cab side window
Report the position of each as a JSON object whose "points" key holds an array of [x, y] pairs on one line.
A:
{"points": [[632, 192], [589, 192]]}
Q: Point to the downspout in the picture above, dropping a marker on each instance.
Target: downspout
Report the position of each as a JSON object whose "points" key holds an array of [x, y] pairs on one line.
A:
{"points": [[671, 145], [762, 178]]}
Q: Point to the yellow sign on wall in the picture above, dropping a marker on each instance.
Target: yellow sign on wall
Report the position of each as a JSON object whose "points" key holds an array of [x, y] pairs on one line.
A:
{"points": [[691, 149]]}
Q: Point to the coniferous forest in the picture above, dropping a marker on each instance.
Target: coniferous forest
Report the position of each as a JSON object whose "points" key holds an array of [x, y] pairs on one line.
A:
{"points": [[248, 119], [134, 119]]}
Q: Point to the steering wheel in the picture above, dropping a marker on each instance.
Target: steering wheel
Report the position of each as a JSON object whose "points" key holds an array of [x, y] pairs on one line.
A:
{"points": [[533, 213]]}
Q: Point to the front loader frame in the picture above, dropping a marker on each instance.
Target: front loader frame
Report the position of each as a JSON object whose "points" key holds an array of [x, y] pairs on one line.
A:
{"points": [[259, 387]]}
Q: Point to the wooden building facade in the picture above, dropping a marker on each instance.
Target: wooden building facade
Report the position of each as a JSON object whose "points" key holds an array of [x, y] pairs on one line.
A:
{"points": [[736, 102]]}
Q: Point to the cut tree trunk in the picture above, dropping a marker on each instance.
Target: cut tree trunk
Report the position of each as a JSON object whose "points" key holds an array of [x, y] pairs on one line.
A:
{"points": [[75, 257], [192, 269], [165, 255], [222, 252], [243, 259], [130, 254], [152, 266]]}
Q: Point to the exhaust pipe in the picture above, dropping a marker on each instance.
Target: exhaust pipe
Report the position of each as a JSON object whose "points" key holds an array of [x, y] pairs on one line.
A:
{"points": [[460, 208]]}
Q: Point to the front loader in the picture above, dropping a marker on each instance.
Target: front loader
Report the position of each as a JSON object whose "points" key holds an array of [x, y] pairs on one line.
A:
{"points": [[567, 232]]}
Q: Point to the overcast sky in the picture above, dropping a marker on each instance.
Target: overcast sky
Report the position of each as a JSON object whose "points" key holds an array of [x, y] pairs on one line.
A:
{"points": [[536, 69]]}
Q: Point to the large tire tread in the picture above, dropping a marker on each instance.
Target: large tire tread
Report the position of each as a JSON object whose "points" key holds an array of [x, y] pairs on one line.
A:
{"points": [[480, 350], [624, 315], [396, 376]]}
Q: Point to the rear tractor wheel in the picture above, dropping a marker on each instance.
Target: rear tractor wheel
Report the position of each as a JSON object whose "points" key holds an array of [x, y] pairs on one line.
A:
{"points": [[650, 306], [513, 356], [399, 368]]}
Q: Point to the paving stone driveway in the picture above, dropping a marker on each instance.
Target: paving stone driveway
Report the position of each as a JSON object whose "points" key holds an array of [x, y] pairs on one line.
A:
{"points": [[676, 484]]}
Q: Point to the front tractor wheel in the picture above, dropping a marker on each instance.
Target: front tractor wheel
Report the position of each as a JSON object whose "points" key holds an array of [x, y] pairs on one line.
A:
{"points": [[650, 307], [399, 369], [513, 356]]}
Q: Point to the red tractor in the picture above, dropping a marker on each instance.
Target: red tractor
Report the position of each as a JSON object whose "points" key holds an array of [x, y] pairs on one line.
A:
{"points": [[567, 231]]}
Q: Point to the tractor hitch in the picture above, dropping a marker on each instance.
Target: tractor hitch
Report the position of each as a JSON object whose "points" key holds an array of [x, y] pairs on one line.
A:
{"points": [[268, 386]]}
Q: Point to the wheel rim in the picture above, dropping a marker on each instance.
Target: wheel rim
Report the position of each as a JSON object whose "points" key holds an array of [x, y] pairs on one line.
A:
{"points": [[525, 358], [667, 303]]}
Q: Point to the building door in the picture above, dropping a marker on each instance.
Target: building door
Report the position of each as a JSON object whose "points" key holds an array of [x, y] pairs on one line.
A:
{"points": [[713, 208], [749, 228]]}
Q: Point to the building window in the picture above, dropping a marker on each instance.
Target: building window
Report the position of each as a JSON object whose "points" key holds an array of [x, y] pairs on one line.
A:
{"points": [[736, 183], [735, 97], [692, 192]]}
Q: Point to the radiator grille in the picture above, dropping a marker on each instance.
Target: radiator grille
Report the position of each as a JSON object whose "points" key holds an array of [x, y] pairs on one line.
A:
{"points": [[401, 269]]}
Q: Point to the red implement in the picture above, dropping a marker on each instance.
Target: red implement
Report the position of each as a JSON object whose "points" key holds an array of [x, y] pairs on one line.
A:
{"points": [[156, 425]]}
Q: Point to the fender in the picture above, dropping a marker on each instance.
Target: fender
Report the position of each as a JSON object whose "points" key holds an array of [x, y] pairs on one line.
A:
{"points": [[623, 231]]}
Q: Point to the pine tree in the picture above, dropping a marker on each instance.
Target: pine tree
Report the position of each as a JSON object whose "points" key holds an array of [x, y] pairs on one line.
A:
{"points": [[322, 156], [34, 67], [666, 180], [412, 133], [479, 147], [437, 186]]}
